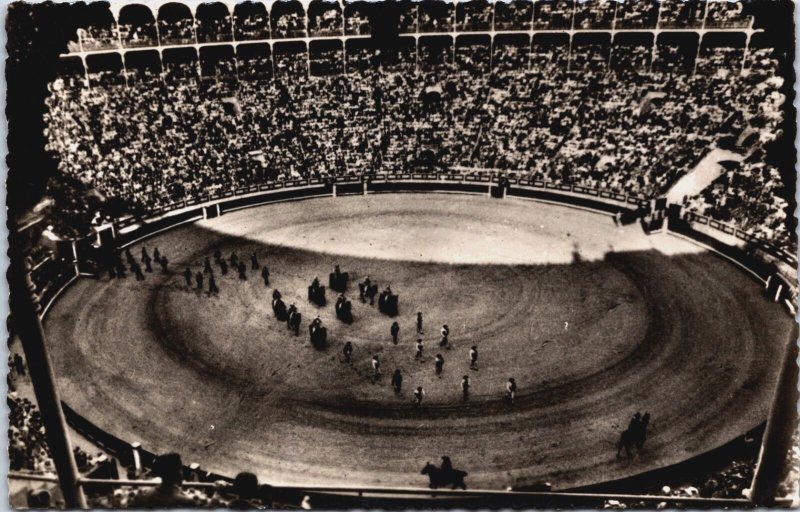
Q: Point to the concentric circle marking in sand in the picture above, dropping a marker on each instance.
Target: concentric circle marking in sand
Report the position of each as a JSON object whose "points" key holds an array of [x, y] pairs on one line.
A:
{"points": [[593, 321]]}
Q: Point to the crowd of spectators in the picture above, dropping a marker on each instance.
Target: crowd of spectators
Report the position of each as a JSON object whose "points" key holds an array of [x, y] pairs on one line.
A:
{"points": [[628, 127], [27, 442]]}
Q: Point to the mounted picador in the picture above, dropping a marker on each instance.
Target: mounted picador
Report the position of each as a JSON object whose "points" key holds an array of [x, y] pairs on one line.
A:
{"points": [[317, 334], [388, 302], [635, 435], [316, 293], [344, 309], [367, 290], [337, 280]]}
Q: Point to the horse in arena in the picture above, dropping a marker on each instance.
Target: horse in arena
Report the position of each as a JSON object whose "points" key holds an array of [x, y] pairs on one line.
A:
{"points": [[388, 303], [318, 336], [316, 294], [635, 435], [443, 477], [293, 322], [279, 308], [344, 310], [337, 280]]}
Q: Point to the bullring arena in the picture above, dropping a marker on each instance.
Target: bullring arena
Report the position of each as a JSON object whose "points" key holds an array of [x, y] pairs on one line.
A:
{"points": [[594, 320]]}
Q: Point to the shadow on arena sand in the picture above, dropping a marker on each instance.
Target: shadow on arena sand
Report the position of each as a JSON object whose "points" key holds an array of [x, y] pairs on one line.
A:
{"points": [[689, 338]]}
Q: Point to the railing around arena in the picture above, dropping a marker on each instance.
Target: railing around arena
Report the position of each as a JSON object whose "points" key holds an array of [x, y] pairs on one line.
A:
{"points": [[359, 497]]}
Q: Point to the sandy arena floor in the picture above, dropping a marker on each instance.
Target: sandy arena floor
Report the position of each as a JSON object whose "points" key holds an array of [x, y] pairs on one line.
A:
{"points": [[593, 321]]}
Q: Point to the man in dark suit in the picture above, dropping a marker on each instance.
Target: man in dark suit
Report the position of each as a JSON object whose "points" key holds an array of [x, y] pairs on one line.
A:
{"points": [[439, 365], [394, 330], [397, 381], [348, 352]]}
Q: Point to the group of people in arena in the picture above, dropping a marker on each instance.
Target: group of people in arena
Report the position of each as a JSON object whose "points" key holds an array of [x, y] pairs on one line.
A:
{"points": [[116, 267], [397, 376], [631, 130]]}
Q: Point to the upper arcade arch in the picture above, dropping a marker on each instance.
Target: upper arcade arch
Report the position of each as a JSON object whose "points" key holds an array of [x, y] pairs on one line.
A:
{"points": [[213, 23], [631, 51], [356, 18], [254, 61], [250, 21], [288, 19], [474, 16], [105, 69], [99, 29], [144, 66], [553, 14], [137, 26], [513, 15], [435, 16], [325, 18], [596, 14], [682, 14], [473, 53], [176, 24]]}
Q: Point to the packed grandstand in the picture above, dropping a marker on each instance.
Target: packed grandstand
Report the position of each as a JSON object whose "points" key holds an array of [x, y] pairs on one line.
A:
{"points": [[502, 90], [155, 106]]}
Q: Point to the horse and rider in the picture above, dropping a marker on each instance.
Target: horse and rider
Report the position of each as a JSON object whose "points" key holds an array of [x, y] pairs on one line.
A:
{"points": [[445, 475], [635, 435]]}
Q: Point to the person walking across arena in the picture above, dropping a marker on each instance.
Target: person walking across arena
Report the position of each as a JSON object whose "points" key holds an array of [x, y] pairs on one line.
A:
{"points": [[376, 368], [419, 394], [199, 280], [397, 381], [163, 261], [439, 365], [242, 271], [445, 341], [223, 267], [137, 270], [254, 262], [394, 331], [207, 266], [473, 357], [187, 276], [511, 389], [348, 353], [419, 322], [420, 346], [465, 387], [265, 275], [147, 266], [156, 255]]}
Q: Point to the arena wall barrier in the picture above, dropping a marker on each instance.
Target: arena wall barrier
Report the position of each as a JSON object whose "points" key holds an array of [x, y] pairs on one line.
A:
{"points": [[774, 267]]}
